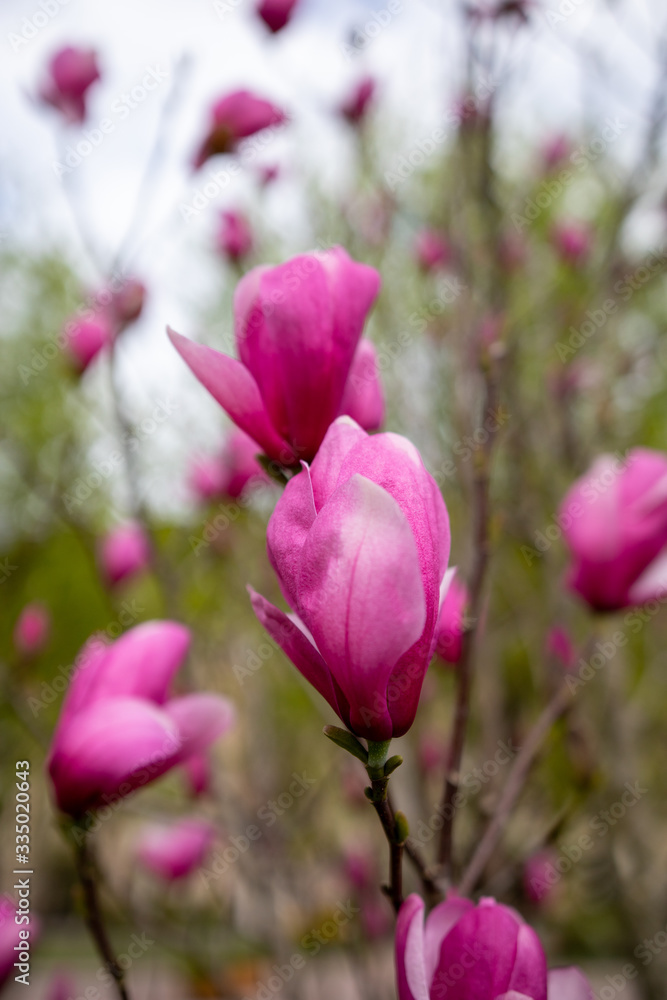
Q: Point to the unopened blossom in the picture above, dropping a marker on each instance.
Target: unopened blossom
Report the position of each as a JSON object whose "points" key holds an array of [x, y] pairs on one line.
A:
{"points": [[71, 73], [174, 850], [235, 117], [119, 727], [614, 521], [302, 361], [32, 629], [355, 106], [124, 553], [483, 952], [359, 542], [276, 13], [234, 237]]}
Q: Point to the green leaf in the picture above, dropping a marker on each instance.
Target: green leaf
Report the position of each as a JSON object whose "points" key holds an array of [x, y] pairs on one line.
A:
{"points": [[347, 741]]}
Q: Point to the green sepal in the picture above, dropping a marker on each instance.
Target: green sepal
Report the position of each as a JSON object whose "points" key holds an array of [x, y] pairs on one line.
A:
{"points": [[344, 739]]}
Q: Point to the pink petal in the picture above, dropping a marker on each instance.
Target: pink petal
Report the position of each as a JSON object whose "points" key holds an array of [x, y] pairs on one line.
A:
{"points": [[342, 436], [363, 399], [173, 851], [411, 974], [300, 650], [530, 965], [568, 984], [287, 531], [361, 595], [141, 664], [438, 925], [200, 720], [234, 388], [106, 751], [321, 306]]}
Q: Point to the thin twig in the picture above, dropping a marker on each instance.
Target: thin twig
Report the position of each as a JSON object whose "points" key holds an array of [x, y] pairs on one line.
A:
{"points": [[557, 707], [85, 868]]}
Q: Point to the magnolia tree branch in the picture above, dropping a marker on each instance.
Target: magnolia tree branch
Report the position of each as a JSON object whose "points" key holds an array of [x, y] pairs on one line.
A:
{"points": [[481, 548], [86, 872], [556, 708]]}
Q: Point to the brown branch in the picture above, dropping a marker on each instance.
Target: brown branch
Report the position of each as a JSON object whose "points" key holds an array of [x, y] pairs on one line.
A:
{"points": [[556, 708]]}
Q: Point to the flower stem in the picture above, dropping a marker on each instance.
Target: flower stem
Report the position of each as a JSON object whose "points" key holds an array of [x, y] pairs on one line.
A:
{"points": [[394, 825], [86, 872]]}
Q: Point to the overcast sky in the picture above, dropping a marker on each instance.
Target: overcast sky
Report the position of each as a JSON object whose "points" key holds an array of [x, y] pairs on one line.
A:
{"points": [[306, 69]]}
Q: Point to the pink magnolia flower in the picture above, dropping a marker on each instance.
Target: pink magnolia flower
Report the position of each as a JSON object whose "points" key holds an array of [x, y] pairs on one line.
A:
{"points": [[174, 851], [360, 543], [555, 151], [483, 952], [560, 646], [614, 521], [431, 250], [431, 753], [268, 173], [124, 553], [231, 473], [451, 627], [538, 875], [276, 13], [10, 937], [61, 987], [127, 303], [86, 337], [72, 71], [298, 329], [32, 629], [118, 728], [197, 770], [234, 238], [234, 117], [573, 241], [355, 106]]}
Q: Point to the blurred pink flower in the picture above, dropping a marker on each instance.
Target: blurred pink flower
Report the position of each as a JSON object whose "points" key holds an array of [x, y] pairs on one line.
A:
{"points": [[432, 250], [230, 473], [359, 868], [276, 13], [298, 328], [614, 521], [355, 106], [451, 626], [537, 875], [175, 850], [430, 753], [555, 151], [561, 647], [127, 303], [268, 172], [72, 71], [86, 336], [61, 987], [124, 553], [359, 542], [483, 952], [11, 936], [234, 117], [234, 239], [197, 770], [573, 241], [119, 729], [32, 629]]}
